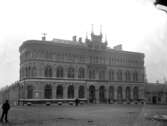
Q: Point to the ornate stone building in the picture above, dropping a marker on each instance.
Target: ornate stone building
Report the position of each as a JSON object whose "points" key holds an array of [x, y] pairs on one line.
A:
{"points": [[63, 70]]}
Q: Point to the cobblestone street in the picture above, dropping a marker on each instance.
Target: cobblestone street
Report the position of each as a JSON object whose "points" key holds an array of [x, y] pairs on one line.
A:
{"points": [[85, 115]]}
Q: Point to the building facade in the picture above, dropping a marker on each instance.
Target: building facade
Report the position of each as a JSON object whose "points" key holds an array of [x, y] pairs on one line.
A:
{"points": [[156, 93], [63, 70]]}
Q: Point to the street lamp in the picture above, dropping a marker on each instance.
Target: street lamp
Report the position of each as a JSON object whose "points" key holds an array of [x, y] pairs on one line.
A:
{"points": [[161, 4]]}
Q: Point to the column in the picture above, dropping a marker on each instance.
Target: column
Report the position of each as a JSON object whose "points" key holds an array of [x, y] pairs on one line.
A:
{"points": [[86, 96], [107, 93], [86, 73], [76, 91], [41, 71], [141, 92], [76, 72], [54, 91], [115, 93], [131, 93], [124, 93], [65, 72], [24, 96], [97, 94], [96, 75], [42, 91], [65, 92]]}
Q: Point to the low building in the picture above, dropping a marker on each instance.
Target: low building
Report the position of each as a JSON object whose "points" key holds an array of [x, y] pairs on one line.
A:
{"points": [[156, 93]]}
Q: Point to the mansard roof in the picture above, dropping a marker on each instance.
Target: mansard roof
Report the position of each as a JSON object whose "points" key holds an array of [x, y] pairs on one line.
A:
{"points": [[68, 43]]}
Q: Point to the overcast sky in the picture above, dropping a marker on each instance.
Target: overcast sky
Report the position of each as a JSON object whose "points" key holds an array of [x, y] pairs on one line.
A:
{"points": [[136, 24]]}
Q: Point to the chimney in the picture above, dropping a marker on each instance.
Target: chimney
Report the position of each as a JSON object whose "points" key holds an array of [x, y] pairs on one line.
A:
{"points": [[43, 38], [74, 38], [118, 47]]}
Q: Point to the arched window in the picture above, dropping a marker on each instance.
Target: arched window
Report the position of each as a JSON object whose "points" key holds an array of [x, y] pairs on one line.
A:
{"points": [[81, 73], [59, 72], [34, 71], [92, 96], [102, 97], [135, 76], [81, 92], [29, 92], [71, 91], [119, 94], [59, 92], [91, 74], [71, 72], [102, 75], [135, 93], [27, 54], [111, 93], [48, 71], [28, 71], [128, 93], [119, 75], [127, 76], [24, 72], [48, 92], [111, 75]]}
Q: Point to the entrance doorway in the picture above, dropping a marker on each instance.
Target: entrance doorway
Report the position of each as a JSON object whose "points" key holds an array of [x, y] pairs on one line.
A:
{"points": [[154, 100], [102, 98], [92, 97]]}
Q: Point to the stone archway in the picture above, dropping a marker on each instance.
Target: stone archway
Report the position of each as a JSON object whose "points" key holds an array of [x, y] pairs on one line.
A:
{"points": [[102, 97], [59, 92], [154, 99], [81, 92], [29, 92], [70, 92], [92, 94], [48, 91], [136, 93]]}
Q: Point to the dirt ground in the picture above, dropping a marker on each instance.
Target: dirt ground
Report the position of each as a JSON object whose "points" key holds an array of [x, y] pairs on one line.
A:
{"points": [[85, 115]]}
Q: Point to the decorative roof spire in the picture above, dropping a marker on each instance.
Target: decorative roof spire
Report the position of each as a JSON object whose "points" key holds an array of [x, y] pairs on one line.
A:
{"points": [[105, 38], [44, 36], [106, 42], [92, 32], [86, 35], [100, 29]]}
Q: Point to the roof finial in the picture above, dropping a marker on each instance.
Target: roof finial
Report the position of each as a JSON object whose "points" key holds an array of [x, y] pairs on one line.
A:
{"points": [[105, 37], [86, 35], [92, 29], [106, 42], [100, 29], [44, 36]]}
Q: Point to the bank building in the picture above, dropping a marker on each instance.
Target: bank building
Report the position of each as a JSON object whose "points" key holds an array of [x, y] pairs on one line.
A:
{"points": [[59, 71]]}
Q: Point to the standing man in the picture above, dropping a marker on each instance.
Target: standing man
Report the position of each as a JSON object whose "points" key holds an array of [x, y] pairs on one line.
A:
{"points": [[5, 109]]}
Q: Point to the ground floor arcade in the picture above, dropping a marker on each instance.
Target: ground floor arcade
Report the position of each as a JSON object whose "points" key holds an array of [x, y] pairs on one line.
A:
{"points": [[88, 91]]}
